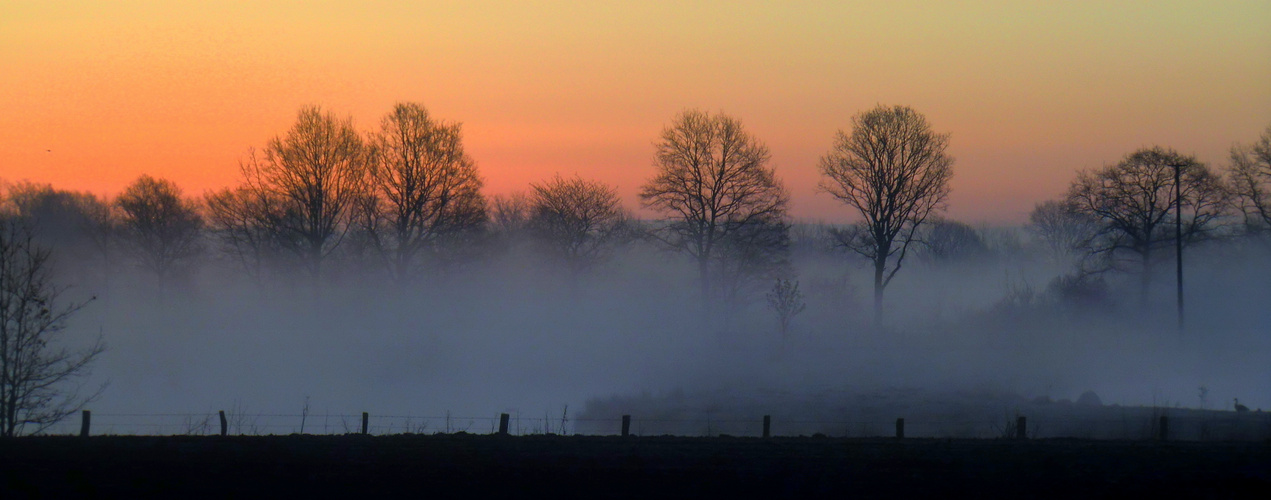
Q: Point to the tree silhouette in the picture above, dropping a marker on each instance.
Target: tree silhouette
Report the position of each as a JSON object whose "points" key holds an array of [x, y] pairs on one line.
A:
{"points": [[576, 220], [1133, 204], [35, 369], [713, 183], [315, 175], [948, 241], [1062, 229], [160, 228], [750, 256], [245, 221], [425, 191], [894, 171], [509, 213], [79, 228], [786, 301], [1250, 175]]}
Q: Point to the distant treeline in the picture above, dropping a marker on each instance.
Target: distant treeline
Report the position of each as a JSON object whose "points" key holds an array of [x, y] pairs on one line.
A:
{"points": [[403, 202]]}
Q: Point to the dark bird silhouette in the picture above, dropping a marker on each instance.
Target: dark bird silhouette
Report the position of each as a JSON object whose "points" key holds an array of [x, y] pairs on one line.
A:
{"points": [[1240, 407]]}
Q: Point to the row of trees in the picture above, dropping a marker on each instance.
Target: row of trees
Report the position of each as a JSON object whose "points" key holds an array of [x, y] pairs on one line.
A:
{"points": [[403, 192], [406, 199], [1127, 216]]}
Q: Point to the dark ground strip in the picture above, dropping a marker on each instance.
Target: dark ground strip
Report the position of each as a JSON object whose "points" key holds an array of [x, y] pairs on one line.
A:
{"points": [[636, 467]]}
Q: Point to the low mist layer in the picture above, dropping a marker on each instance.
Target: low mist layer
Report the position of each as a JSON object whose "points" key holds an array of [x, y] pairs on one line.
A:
{"points": [[511, 334]]}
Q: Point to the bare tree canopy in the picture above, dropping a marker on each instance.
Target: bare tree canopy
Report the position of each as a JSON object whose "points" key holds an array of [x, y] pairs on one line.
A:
{"points": [[317, 174], [79, 227], [946, 241], [245, 221], [1133, 202], [161, 228], [577, 220], [37, 373], [509, 213], [1250, 177], [425, 189], [751, 255], [1062, 229], [894, 170], [786, 301], [713, 182]]}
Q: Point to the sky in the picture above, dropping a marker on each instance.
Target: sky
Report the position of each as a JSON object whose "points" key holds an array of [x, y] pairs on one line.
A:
{"points": [[94, 94]]}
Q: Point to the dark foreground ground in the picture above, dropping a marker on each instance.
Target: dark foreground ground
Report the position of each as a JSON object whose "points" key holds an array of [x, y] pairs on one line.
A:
{"points": [[449, 466]]}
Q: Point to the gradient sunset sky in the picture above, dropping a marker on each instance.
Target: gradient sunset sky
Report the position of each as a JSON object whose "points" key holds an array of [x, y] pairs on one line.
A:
{"points": [[93, 94]]}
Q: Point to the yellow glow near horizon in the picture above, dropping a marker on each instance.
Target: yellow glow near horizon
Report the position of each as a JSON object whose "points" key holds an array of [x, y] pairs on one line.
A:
{"points": [[93, 94]]}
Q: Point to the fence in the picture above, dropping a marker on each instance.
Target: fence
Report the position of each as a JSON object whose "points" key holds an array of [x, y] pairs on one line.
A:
{"points": [[1154, 425]]}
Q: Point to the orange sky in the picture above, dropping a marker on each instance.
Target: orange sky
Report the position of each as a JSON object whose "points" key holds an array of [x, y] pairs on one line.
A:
{"points": [[93, 94]]}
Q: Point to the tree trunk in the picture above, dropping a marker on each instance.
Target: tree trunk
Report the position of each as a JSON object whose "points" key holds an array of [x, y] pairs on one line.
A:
{"points": [[401, 264], [880, 265], [704, 279], [1145, 281]]}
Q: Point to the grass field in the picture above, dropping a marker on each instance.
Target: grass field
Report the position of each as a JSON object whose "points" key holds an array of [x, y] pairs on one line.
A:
{"points": [[465, 465]]}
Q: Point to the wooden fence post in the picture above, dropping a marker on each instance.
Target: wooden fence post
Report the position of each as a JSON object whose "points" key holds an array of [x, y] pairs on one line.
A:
{"points": [[1021, 428], [503, 424], [1164, 429], [626, 425], [366, 417], [87, 418], [767, 426], [900, 428], [224, 424]]}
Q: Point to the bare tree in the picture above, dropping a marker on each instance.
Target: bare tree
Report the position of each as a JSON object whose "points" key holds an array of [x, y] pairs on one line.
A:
{"points": [[1133, 202], [161, 228], [750, 256], [713, 182], [1250, 177], [1064, 230], [245, 222], [79, 228], [510, 213], [508, 225], [786, 301], [316, 175], [425, 189], [576, 220], [895, 172], [946, 241], [37, 373]]}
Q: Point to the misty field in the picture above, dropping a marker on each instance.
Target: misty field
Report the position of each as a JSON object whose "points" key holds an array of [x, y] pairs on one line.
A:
{"points": [[926, 414], [633, 467], [557, 301]]}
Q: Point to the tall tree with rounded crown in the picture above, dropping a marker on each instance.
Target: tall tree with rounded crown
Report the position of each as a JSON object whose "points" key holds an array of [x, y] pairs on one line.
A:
{"points": [[714, 184], [894, 171]]}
